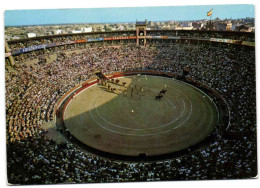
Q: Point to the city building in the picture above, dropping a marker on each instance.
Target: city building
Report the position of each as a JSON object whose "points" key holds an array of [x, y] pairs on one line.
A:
{"points": [[30, 35]]}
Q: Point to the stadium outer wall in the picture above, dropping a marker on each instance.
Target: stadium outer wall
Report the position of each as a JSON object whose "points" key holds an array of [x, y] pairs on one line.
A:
{"points": [[218, 133]]}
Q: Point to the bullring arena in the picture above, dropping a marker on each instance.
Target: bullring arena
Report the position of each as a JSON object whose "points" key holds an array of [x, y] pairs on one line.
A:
{"points": [[132, 124], [186, 110]]}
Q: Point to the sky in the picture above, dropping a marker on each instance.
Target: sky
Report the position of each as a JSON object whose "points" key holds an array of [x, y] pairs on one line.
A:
{"points": [[131, 14]]}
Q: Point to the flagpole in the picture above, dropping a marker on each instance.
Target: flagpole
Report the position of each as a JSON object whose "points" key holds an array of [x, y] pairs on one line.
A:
{"points": [[209, 14], [210, 18], [210, 22]]}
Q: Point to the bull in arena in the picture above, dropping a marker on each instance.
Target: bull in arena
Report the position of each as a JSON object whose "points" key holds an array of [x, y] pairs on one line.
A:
{"points": [[158, 97], [123, 83], [117, 81]]}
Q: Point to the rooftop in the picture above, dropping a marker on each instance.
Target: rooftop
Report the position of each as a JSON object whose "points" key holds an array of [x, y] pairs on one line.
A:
{"points": [[141, 22]]}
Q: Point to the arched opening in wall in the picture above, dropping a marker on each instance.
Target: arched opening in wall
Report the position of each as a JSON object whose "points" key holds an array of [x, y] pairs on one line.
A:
{"points": [[141, 32]]}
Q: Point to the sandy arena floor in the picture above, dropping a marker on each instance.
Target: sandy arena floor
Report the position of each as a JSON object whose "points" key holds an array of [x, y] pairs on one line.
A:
{"points": [[120, 124]]}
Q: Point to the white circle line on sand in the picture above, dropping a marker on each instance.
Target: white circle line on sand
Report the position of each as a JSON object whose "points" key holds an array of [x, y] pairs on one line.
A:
{"points": [[149, 128], [75, 98], [146, 128], [142, 134], [161, 132], [204, 94]]}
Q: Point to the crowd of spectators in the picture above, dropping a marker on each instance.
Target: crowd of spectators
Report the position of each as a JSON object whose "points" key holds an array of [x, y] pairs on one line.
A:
{"points": [[18, 44], [204, 34], [66, 38], [33, 91], [33, 55]]}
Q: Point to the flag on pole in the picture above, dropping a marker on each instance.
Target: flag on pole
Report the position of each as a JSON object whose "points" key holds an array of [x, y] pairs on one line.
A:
{"points": [[209, 13]]}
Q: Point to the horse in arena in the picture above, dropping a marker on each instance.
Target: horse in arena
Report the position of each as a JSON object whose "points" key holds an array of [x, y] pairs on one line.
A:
{"points": [[163, 91]]}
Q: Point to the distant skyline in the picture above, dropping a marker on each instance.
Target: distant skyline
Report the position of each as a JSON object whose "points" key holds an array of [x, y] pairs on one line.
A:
{"points": [[129, 14]]}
